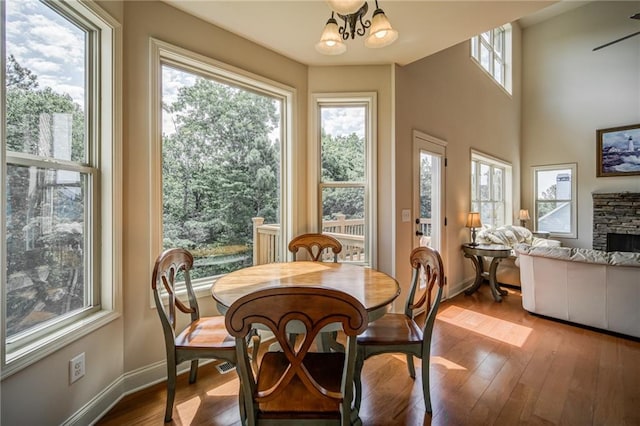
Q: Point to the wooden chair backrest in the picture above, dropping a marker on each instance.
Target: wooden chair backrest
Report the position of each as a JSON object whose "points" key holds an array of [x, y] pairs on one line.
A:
{"points": [[165, 272], [427, 267], [275, 308], [315, 245]]}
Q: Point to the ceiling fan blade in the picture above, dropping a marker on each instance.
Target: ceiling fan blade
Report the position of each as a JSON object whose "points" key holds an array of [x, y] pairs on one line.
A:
{"points": [[616, 41]]}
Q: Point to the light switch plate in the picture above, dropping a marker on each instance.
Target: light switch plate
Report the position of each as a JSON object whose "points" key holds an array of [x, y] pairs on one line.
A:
{"points": [[406, 215]]}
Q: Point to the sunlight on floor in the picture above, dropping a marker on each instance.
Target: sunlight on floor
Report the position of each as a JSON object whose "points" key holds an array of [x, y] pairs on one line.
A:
{"points": [[494, 328], [449, 365], [187, 410], [435, 360], [227, 389]]}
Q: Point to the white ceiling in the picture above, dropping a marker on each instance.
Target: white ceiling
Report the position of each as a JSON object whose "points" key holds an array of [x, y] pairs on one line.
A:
{"points": [[425, 27]]}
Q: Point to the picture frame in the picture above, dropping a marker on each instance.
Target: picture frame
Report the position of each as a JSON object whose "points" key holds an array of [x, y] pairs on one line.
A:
{"points": [[618, 151]]}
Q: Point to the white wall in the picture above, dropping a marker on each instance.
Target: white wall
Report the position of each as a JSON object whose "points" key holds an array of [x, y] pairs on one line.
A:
{"points": [[569, 91], [447, 95]]}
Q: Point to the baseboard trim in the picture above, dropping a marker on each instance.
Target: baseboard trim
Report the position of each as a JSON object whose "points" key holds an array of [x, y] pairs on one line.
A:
{"points": [[124, 385], [93, 410]]}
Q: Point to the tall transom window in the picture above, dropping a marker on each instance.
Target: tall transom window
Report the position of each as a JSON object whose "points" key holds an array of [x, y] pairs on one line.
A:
{"points": [[345, 178], [492, 51]]}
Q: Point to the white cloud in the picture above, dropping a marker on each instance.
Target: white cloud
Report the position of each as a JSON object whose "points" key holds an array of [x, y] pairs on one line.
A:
{"points": [[342, 121], [47, 44]]}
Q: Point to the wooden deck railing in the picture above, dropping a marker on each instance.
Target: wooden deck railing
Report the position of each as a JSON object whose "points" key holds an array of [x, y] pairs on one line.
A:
{"points": [[350, 233]]}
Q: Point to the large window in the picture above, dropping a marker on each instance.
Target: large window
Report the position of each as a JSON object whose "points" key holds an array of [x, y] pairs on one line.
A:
{"points": [[345, 173], [492, 51], [222, 160], [491, 184], [58, 135], [555, 199]]}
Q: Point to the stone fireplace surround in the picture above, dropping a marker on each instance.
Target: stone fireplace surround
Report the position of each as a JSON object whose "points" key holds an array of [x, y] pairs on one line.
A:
{"points": [[617, 213]]}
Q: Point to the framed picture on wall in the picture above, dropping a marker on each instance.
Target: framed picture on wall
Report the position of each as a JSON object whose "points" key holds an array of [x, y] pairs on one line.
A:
{"points": [[618, 151]]}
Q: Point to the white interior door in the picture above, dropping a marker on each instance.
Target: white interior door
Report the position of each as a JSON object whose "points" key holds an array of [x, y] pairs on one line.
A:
{"points": [[428, 190]]}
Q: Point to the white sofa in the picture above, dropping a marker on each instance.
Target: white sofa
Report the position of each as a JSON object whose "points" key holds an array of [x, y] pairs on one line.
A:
{"points": [[508, 271], [590, 287]]}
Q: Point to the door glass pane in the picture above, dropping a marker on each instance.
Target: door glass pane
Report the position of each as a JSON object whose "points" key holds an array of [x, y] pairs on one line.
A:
{"points": [[426, 197], [343, 143], [46, 253], [220, 169], [46, 89]]}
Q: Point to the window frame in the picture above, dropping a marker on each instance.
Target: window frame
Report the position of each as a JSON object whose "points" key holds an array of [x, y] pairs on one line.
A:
{"points": [[165, 53], [504, 59], [103, 161], [507, 189], [573, 233], [369, 100]]}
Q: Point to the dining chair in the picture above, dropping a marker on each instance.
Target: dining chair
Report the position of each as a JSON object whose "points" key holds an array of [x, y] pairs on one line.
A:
{"points": [[315, 246], [398, 332], [296, 385], [202, 338]]}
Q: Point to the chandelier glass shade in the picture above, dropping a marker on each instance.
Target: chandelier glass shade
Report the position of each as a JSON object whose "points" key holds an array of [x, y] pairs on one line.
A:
{"points": [[331, 41], [345, 7], [352, 14], [381, 33]]}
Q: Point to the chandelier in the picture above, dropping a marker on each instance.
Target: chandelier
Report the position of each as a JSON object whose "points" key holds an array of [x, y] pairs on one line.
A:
{"points": [[354, 23]]}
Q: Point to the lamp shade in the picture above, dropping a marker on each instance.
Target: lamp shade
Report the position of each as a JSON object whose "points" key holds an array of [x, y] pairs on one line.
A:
{"points": [[330, 41], [473, 220], [524, 215], [381, 33], [345, 7]]}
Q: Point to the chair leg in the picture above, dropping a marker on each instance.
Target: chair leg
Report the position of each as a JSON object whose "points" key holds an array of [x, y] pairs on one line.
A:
{"points": [[357, 378], [412, 368], [193, 373], [425, 384], [255, 342], [171, 391]]}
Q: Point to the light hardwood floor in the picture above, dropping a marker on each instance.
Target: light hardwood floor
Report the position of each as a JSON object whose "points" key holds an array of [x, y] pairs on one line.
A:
{"points": [[491, 363]]}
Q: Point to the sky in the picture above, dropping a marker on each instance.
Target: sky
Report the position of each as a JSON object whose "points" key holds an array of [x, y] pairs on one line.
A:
{"points": [[47, 44]]}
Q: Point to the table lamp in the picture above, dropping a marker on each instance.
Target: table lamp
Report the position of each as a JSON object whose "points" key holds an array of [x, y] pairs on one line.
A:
{"points": [[524, 217], [473, 222]]}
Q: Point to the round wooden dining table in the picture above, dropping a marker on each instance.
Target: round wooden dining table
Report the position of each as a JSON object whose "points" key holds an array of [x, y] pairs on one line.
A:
{"points": [[374, 289]]}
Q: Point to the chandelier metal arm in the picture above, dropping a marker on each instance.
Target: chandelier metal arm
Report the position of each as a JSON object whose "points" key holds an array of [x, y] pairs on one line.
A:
{"points": [[351, 22]]}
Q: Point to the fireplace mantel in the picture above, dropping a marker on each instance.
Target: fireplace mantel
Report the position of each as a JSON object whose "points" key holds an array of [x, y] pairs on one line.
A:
{"points": [[616, 212]]}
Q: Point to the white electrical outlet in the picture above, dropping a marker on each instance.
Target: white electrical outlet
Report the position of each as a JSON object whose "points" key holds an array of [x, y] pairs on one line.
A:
{"points": [[76, 367]]}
